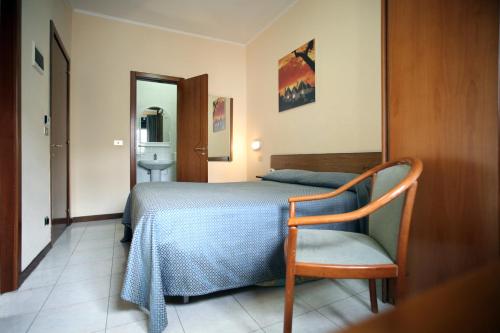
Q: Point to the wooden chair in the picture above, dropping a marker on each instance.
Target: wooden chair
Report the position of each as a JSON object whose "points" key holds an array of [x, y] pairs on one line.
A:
{"points": [[339, 254]]}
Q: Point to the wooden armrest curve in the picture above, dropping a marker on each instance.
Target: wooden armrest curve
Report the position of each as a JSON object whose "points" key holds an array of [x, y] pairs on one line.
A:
{"points": [[409, 181]]}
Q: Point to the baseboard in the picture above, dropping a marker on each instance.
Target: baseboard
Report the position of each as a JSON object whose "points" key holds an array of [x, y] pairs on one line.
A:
{"points": [[60, 221], [90, 218], [34, 263]]}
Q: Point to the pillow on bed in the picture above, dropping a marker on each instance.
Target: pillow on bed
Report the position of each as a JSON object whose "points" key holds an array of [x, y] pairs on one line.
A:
{"points": [[331, 180], [310, 178], [290, 176], [327, 179]]}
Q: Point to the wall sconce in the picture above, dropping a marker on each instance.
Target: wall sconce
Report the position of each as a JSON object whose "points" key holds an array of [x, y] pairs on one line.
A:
{"points": [[256, 145]]}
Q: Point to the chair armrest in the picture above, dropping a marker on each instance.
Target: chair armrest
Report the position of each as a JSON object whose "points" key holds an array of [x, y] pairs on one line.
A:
{"points": [[332, 194], [350, 216], [326, 219]]}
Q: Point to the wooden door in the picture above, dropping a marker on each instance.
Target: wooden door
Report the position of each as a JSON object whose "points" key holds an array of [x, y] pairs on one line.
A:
{"points": [[442, 104], [10, 145], [59, 139], [192, 130]]}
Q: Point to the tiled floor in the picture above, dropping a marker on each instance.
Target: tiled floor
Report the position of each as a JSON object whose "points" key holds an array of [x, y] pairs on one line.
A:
{"points": [[77, 285]]}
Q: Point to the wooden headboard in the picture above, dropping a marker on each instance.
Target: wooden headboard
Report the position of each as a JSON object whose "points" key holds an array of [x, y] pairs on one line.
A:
{"points": [[342, 162]]}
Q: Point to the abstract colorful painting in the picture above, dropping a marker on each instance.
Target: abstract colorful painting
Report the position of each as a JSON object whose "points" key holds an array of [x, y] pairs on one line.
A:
{"points": [[219, 114], [297, 77]]}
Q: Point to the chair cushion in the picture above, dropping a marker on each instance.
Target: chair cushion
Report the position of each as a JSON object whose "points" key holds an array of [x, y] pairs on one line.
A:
{"points": [[384, 222], [339, 247]]}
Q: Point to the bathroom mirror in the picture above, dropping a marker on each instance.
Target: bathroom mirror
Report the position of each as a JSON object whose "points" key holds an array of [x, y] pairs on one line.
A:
{"points": [[151, 124], [220, 128], [156, 111]]}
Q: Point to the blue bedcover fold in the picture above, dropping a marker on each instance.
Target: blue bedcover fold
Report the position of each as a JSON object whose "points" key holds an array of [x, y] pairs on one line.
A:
{"points": [[192, 239]]}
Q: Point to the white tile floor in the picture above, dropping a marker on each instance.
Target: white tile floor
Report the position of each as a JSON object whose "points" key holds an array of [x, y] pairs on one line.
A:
{"points": [[77, 285]]}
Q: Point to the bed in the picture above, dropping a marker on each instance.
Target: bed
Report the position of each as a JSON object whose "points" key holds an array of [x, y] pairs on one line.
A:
{"points": [[193, 239]]}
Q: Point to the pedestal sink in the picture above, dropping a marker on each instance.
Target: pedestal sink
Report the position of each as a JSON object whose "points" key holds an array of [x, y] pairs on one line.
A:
{"points": [[155, 167]]}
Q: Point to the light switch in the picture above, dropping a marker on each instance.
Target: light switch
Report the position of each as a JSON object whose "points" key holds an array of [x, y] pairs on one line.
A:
{"points": [[118, 142]]}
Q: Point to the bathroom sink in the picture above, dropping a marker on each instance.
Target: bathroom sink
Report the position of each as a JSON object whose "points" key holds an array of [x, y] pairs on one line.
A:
{"points": [[155, 164]]}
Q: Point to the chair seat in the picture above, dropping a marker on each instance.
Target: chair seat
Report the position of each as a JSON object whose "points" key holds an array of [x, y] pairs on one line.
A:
{"points": [[339, 248]]}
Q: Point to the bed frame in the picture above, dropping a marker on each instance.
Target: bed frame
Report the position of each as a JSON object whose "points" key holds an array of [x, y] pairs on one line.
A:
{"points": [[340, 162]]}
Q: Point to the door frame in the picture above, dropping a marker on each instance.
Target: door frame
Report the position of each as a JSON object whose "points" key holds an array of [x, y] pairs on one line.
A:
{"points": [[142, 76], [54, 36], [10, 145], [384, 83]]}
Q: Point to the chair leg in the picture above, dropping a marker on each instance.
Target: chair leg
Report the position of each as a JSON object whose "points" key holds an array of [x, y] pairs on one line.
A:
{"points": [[289, 296], [373, 295], [385, 290]]}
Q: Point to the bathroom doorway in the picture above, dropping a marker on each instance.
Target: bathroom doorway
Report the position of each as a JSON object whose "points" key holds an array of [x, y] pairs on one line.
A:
{"points": [[165, 131], [156, 131]]}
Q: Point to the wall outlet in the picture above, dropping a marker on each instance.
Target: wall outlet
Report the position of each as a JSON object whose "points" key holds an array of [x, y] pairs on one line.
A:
{"points": [[118, 142], [47, 220]]}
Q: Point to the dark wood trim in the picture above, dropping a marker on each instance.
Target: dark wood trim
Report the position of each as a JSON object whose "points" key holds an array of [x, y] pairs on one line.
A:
{"points": [[134, 76], [337, 162], [385, 132], [230, 157], [232, 132], [383, 39], [90, 218], [10, 145], [34, 263], [157, 77], [498, 126], [133, 103], [59, 221], [54, 33]]}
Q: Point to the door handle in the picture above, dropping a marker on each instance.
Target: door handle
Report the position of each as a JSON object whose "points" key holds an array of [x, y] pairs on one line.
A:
{"points": [[201, 150], [56, 146]]}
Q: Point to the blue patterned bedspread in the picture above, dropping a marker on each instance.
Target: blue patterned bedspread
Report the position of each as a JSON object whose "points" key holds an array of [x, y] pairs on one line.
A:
{"points": [[193, 239]]}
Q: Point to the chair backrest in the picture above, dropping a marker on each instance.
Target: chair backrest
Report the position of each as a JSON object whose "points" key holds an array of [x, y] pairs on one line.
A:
{"points": [[384, 223]]}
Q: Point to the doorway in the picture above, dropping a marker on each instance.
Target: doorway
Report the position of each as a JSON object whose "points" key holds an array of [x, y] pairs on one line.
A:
{"points": [[168, 128], [156, 131], [59, 134]]}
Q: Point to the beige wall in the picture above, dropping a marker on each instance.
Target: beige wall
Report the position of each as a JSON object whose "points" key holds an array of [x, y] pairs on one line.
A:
{"points": [[346, 116], [36, 16], [104, 52]]}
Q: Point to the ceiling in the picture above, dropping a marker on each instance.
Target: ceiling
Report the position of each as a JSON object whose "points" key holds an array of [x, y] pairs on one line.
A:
{"points": [[230, 20]]}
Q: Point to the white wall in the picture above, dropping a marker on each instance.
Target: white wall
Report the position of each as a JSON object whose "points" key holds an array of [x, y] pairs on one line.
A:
{"points": [[346, 116], [104, 52], [36, 16]]}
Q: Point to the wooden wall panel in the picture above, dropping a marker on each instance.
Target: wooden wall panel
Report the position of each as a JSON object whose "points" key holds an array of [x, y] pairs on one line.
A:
{"points": [[337, 162], [442, 104]]}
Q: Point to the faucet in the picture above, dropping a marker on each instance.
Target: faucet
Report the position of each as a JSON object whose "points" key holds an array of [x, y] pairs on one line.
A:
{"points": [[155, 156]]}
